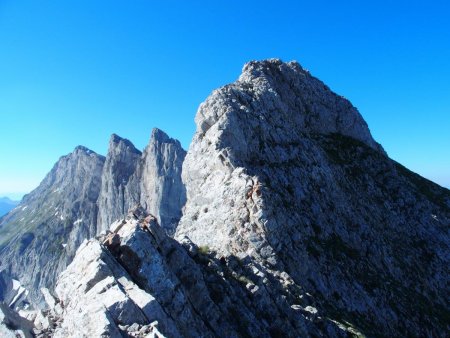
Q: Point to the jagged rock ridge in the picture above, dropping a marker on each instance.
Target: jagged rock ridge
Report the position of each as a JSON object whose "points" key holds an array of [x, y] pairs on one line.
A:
{"points": [[284, 171], [82, 192], [44, 231], [151, 179], [137, 275], [296, 224]]}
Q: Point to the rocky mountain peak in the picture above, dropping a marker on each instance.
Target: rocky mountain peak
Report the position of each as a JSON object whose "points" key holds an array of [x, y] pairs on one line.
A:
{"points": [[67, 169], [284, 172], [151, 179], [285, 96], [79, 151], [118, 192], [121, 159], [267, 68], [63, 208], [118, 144], [159, 136], [295, 223], [83, 150], [162, 191]]}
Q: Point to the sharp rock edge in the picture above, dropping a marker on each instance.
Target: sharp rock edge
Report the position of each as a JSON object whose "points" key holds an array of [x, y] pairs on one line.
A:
{"points": [[284, 172], [296, 223], [84, 192]]}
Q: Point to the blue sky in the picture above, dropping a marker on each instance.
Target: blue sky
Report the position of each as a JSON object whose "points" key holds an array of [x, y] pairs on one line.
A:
{"points": [[74, 72]]}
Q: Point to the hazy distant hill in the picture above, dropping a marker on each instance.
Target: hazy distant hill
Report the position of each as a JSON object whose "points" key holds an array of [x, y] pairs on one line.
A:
{"points": [[6, 205]]}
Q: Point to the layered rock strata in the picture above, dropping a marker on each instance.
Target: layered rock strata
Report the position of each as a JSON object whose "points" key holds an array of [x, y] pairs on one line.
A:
{"points": [[284, 172], [296, 223], [151, 179], [136, 276], [41, 235], [83, 192]]}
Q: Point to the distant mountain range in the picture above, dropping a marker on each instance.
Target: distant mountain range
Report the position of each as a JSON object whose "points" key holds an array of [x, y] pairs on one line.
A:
{"points": [[284, 218], [6, 205]]}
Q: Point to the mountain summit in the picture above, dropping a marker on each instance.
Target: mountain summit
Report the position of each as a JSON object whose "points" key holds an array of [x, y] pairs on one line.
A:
{"points": [[40, 236], [287, 219], [284, 171], [151, 179], [81, 196]]}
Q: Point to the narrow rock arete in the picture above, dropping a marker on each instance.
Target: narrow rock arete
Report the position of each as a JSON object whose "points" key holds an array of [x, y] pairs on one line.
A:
{"points": [[285, 218]]}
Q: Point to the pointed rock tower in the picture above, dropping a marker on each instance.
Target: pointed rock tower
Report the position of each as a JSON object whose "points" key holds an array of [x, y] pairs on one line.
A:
{"points": [[151, 179], [162, 191], [118, 193]]}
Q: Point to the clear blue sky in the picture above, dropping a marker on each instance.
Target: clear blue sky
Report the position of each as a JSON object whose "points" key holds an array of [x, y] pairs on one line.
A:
{"points": [[73, 72]]}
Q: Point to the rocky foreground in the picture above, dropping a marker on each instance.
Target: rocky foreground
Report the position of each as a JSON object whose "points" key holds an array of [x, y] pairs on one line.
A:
{"points": [[135, 280], [290, 220], [81, 196]]}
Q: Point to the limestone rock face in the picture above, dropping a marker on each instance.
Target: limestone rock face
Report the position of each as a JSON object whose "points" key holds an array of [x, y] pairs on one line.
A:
{"points": [[98, 297], [137, 281], [117, 195], [41, 235], [82, 195], [162, 191], [284, 172], [260, 119], [296, 224], [151, 179]]}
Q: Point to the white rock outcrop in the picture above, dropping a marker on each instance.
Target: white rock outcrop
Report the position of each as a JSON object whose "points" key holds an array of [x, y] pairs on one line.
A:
{"points": [[80, 197], [151, 178], [98, 297], [284, 172], [296, 224]]}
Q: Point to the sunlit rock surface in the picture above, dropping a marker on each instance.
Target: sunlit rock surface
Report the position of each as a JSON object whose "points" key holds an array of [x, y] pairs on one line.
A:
{"points": [[284, 172], [83, 192], [296, 223], [151, 178]]}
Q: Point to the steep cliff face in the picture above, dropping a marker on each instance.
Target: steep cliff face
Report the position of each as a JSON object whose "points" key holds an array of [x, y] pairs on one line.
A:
{"points": [[262, 118], [118, 193], [296, 224], [41, 235], [285, 172], [151, 179], [82, 195], [162, 191], [136, 280]]}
